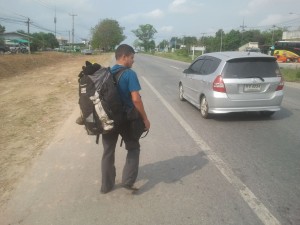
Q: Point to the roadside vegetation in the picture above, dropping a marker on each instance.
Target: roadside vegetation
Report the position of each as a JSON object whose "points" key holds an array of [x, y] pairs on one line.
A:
{"points": [[180, 55], [291, 75]]}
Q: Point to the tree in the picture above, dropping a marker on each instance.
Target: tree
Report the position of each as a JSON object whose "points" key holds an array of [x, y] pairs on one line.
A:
{"points": [[145, 33], [272, 36], [250, 36], [208, 42], [189, 42], [163, 44], [2, 30], [107, 34], [232, 41], [174, 42], [151, 45], [43, 40], [136, 44]]}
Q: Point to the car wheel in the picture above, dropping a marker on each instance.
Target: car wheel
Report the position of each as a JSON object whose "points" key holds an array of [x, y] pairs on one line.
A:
{"points": [[1, 52], [181, 92], [267, 113], [204, 107]]}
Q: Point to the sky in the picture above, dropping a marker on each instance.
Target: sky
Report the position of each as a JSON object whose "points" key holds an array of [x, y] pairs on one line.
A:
{"points": [[171, 18]]}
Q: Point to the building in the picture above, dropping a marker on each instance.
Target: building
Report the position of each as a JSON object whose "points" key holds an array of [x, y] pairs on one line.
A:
{"points": [[291, 35], [251, 46], [62, 41], [15, 38]]}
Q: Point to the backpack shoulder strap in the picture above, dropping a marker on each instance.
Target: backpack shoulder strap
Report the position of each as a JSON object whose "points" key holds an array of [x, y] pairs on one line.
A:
{"points": [[97, 138], [118, 74]]}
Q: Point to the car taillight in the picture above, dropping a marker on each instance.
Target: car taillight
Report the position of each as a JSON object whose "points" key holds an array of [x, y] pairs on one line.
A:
{"points": [[218, 84], [280, 85]]}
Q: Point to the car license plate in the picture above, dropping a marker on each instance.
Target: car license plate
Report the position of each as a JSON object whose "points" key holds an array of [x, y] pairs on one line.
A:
{"points": [[252, 87]]}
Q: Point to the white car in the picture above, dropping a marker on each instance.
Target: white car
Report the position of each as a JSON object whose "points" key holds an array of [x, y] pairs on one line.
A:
{"points": [[225, 82], [87, 51]]}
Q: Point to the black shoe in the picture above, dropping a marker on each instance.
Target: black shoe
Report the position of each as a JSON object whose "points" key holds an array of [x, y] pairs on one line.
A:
{"points": [[104, 192], [79, 121]]}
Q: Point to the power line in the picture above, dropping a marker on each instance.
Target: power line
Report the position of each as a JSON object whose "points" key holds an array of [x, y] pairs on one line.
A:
{"points": [[12, 20], [43, 3], [46, 5]]}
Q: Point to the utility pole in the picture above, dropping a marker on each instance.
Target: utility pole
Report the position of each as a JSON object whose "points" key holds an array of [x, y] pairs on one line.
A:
{"points": [[73, 15], [69, 37], [273, 28], [221, 40], [202, 43], [28, 23], [243, 30], [55, 23], [202, 37]]}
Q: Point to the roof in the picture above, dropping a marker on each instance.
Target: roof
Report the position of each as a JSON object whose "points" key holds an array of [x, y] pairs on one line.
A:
{"points": [[15, 35]]}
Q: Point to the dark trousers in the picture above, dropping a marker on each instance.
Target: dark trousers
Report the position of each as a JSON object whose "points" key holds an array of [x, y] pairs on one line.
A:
{"points": [[130, 170]]}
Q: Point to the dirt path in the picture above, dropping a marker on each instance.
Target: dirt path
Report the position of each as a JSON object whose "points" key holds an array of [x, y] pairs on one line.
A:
{"points": [[37, 93]]}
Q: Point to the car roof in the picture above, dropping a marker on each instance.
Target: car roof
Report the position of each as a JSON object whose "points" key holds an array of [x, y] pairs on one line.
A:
{"points": [[233, 55]]}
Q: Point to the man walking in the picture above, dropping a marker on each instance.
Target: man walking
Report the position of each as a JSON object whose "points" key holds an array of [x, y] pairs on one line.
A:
{"points": [[128, 87]]}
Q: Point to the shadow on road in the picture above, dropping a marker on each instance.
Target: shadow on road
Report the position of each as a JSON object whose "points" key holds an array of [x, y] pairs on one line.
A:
{"points": [[252, 116], [170, 171]]}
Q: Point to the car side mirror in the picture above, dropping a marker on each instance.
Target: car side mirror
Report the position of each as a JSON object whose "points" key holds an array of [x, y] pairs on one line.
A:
{"points": [[187, 70]]}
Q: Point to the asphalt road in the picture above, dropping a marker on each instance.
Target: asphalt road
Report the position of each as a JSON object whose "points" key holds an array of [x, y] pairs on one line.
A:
{"points": [[231, 169]]}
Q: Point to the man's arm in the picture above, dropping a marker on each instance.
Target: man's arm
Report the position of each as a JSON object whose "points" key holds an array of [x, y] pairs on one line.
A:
{"points": [[138, 103]]}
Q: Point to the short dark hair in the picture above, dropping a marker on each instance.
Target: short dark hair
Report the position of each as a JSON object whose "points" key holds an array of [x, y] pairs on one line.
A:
{"points": [[123, 49]]}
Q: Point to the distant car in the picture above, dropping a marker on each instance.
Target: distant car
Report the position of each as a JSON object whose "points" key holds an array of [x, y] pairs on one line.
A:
{"points": [[87, 51], [225, 82], [3, 49]]}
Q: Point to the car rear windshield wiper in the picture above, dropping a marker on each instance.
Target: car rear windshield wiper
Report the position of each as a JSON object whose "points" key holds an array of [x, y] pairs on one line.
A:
{"points": [[262, 79]]}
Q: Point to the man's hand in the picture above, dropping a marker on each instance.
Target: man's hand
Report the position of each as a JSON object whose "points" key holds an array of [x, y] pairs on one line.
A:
{"points": [[147, 124], [138, 103]]}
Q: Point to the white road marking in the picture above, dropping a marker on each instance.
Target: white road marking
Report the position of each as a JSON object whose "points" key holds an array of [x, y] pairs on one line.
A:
{"points": [[254, 203], [174, 67]]}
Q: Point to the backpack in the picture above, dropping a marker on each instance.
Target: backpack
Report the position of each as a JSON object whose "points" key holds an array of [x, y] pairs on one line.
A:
{"points": [[98, 89]]}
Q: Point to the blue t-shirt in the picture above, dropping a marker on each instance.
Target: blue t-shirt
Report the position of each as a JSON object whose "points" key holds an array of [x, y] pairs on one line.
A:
{"points": [[128, 83]]}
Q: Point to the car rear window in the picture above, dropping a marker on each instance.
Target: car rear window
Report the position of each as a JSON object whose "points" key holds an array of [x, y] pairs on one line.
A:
{"points": [[249, 67]]}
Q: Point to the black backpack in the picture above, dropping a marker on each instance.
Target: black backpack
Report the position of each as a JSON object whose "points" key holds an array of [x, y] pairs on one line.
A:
{"points": [[93, 78]]}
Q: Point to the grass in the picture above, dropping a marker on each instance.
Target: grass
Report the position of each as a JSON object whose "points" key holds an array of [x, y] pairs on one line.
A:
{"points": [[291, 75], [174, 56]]}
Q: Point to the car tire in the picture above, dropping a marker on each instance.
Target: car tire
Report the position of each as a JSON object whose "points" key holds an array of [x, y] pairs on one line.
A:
{"points": [[266, 113], [2, 52], [204, 107], [181, 91]]}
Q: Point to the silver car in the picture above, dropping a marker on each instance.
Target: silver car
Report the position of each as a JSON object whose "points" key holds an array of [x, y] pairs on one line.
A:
{"points": [[224, 82]]}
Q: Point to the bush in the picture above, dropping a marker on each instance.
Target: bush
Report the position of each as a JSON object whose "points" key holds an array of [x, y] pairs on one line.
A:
{"points": [[182, 52]]}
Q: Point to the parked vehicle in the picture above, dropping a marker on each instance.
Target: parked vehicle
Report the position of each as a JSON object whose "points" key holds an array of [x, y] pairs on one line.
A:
{"points": [[19, 49], [286, 56], [225, 82], [3, 49], [87, 51], [287, 51]]}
